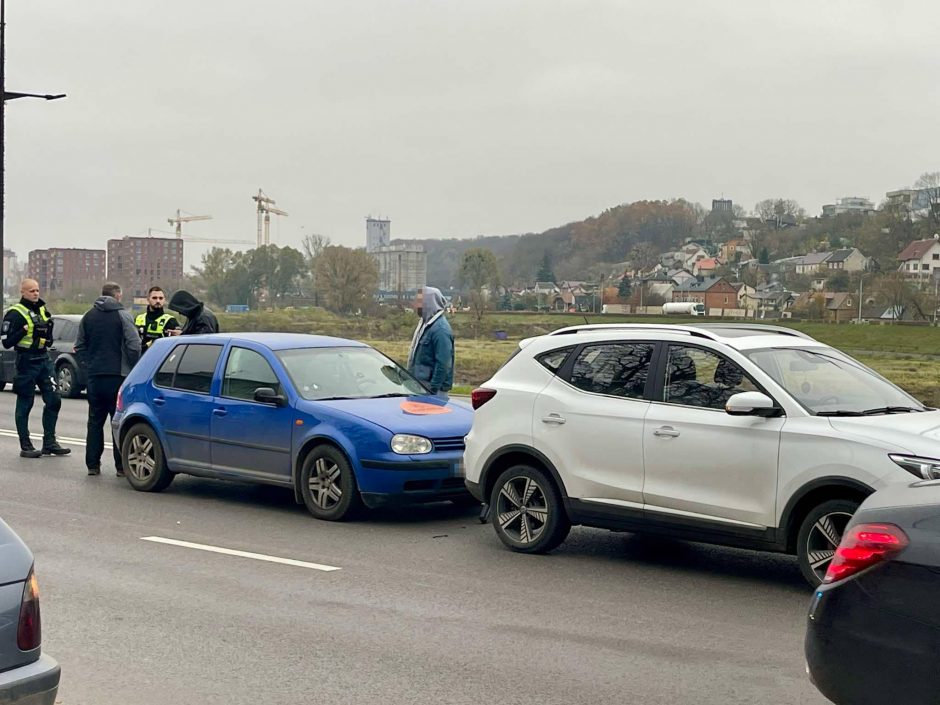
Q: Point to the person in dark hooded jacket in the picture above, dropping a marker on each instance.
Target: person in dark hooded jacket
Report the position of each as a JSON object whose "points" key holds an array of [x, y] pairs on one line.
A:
{"points": [[199, 319], [108, 346]]}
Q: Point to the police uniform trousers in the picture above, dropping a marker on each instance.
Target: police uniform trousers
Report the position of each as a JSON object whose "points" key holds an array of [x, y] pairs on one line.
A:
{"points": [[34, 369]]}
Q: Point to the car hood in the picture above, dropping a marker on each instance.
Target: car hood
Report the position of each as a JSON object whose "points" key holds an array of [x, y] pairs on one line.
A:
{"points": [[390, 414], [15, 558], [914, 433]]}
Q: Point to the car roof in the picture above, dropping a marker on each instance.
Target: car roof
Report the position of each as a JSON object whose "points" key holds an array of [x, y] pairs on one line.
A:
{"points": [[277, 341], [74, 317], [741, 336]]}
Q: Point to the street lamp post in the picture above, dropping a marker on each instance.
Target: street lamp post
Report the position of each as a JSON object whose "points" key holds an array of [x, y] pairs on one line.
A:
{"points": [[8, 96]]}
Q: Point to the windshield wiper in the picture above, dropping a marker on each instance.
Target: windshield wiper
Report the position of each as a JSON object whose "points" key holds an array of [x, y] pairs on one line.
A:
{"points": [[889, 410], [389, 395], [335, 398], [839, 412]]}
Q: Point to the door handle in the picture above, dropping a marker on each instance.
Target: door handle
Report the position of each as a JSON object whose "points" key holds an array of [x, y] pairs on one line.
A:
{"points": [[666, 431], [556, 419], [159, 401], [219, 412]]}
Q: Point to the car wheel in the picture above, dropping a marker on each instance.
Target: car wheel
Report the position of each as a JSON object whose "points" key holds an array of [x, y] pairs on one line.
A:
{"points": [[527, 510], [328, 485], [67, 380], [819, 537], [144, 463]]}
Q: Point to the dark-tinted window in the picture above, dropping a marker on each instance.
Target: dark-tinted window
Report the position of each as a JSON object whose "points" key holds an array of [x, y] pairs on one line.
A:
{"points": [[64, 330], [164, 376], [245, 371], [617, 369], [555, 359], [195, 370], [697, 377]]}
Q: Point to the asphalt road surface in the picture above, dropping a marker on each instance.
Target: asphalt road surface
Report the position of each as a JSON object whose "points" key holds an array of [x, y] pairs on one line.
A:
{"points": [[416, 606]]}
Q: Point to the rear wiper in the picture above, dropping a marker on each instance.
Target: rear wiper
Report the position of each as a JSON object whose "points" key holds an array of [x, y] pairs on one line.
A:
{"points": [[839, 412], [889, 410]]}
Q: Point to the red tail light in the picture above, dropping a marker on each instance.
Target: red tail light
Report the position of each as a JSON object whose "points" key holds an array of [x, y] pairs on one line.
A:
{"points": [[481, 395], [29, 631], [119, 405], [863, 546]]}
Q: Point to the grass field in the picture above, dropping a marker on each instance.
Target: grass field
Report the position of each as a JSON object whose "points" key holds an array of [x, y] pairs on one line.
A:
{"points": [[907, 355]]}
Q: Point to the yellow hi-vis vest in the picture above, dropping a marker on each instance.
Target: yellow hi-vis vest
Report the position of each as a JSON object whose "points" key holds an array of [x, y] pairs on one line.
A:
{"points": [[156, 329], [38, 327]]}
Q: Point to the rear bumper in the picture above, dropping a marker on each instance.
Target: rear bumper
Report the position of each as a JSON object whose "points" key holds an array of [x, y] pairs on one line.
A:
{"points": [[33, 684], [859, 653]]}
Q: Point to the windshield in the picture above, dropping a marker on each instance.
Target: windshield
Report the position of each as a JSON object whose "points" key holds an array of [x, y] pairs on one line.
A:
{"points": [[347, 373], [828, 383]]}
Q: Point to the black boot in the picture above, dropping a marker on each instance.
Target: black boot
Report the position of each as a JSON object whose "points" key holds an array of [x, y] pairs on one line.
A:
{"points": [[28, 451], [55, 449]]}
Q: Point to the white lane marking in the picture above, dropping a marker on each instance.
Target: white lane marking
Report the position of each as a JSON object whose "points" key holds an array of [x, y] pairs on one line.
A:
{"points": [[241, 554], [61, 439]]}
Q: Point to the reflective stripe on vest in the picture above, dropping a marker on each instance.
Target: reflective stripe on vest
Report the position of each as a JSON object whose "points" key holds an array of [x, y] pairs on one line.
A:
{"points": [[33, 321], [155, 329]]}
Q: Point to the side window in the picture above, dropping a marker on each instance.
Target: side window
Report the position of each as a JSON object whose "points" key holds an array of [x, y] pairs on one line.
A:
{"points": [[617, 369], [164, 376], [63, 330], [245, 371], [696, 377], [555, 359], [196, 368]]}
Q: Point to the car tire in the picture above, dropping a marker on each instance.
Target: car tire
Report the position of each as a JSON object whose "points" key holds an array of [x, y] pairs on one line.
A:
{"points": [[527, 511], [67, 380], [820, 533], [143, 460], [328, 485]]}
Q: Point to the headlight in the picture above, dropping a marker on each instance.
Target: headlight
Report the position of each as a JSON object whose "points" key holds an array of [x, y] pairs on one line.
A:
{"points": [[403, 444], [923, 468]]}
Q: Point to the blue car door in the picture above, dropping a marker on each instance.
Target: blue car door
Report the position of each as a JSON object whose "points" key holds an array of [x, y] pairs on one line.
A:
{"points": [[181, 398], [251, 440]]}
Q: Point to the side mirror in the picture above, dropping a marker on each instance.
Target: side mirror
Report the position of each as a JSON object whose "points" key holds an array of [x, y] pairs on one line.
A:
{"points": [[752, 404], [266, 395]]}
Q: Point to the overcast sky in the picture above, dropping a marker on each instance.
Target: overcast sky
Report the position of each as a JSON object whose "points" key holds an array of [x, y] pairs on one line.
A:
{"points": [[454, 118]]}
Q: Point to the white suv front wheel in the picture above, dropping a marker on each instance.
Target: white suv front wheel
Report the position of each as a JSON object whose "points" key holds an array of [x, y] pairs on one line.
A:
{"points": [[527, 511], [820, 534]]}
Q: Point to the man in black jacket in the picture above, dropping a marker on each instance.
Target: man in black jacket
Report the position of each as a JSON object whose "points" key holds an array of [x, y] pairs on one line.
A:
{"points": [[199, 319], [108, 346], [27, 327]]}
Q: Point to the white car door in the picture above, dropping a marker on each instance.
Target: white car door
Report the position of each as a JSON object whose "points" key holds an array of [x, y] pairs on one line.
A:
{"points": [[589, 422], [700, 461]]}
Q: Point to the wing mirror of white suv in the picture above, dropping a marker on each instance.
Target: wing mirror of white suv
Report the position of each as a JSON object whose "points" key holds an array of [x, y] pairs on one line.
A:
{"points": [[752, 404]]}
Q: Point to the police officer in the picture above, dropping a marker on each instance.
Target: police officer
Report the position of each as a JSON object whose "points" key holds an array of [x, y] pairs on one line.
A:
{"points": [[27, 327], [155, 323]]}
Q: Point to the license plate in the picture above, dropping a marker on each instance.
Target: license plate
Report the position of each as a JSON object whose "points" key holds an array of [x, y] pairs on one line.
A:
{"points": [[459, 469]]}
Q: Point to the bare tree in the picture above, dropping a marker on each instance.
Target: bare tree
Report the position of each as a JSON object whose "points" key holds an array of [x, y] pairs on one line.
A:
{"points": [[928, 205], [346, 279]]}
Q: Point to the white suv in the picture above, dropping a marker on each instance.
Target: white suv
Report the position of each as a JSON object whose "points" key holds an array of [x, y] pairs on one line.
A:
{"points": [[745, 435]]}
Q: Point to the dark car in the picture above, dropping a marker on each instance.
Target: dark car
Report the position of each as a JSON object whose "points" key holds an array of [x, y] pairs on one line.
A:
{"points": [[69, 373], [874, 626], [27, 676]]}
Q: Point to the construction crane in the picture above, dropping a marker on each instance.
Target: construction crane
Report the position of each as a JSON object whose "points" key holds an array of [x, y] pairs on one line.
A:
{"points": [[180, 219], [265, 210]]}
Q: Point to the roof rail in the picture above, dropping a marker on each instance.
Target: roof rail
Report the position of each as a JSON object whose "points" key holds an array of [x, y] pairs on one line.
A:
{"points": [[759, 328], [665, 327]]}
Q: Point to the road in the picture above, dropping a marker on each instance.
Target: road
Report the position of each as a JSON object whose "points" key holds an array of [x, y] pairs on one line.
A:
{"points": [[426, 607]]}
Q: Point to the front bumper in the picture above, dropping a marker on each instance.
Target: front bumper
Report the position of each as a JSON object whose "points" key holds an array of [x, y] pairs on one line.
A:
{"points": [[33, 684], [386, 482]]}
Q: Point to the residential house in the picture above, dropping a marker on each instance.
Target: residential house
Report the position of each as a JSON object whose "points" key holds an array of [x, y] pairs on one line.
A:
{"points": [[706, 267], [714, 292], [848, 260], [747, 296], [680, 276], [735, 251], [850, 204], [831, 306], [812, 263], [921, 259]]}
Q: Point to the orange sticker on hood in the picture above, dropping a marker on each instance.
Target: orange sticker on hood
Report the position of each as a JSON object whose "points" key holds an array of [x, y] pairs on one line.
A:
{"points": [[420, 408]]}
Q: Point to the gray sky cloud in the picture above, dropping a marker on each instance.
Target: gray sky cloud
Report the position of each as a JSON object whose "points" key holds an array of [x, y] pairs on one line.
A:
{"points": [[452, 118]]}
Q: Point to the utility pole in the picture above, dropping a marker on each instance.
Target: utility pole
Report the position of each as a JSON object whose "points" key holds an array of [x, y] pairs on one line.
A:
{"points": [[861, 278], [5, 97]]}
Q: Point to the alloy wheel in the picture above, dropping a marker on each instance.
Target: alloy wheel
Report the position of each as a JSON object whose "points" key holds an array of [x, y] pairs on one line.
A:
{"points": [[65, 379], [325, 487], [823, 540], [141, 459], [522, 509]]}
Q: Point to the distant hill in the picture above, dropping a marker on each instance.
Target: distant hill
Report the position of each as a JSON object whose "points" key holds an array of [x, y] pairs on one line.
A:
{"points": [[579, 250]]}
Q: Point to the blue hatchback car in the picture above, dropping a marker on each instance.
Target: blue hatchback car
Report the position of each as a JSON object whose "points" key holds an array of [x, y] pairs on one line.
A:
{"points": [[336, 420]]}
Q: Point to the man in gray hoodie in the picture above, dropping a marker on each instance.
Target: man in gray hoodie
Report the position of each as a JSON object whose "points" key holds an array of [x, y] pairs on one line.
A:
{"points": [[431, 357], [108, 346]]}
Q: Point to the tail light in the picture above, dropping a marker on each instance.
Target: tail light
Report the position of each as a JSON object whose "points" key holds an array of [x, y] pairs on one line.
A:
{"points": [[119, 404], [29, 631], [862, 547], [481, 395]]}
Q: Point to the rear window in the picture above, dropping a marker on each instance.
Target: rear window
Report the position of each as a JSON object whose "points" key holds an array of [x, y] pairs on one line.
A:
{"points": [[194, 371], [164, 376]]}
